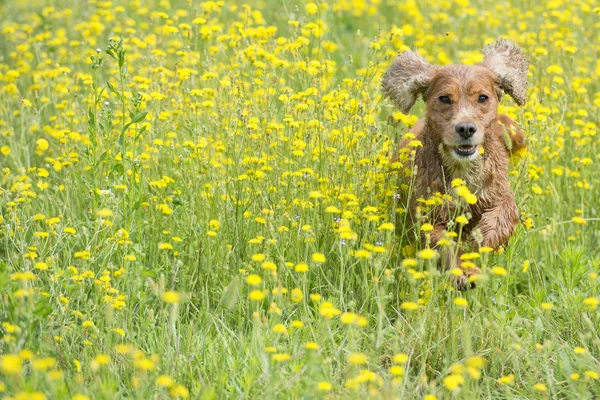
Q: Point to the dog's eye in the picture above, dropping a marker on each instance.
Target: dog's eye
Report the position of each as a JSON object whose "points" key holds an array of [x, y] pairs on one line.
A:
{"points": [[482, 99], [445, 99]]}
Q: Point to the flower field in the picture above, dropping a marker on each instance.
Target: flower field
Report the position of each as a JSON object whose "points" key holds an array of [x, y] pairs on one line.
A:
{"points": [[197, 201]]}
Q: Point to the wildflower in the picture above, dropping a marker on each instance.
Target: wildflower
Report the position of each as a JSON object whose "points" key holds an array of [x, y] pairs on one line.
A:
{"points": [[507, 380], [10, 364], [357, 358], [453, 382], [409, 306], [171, 297], [546, 306], [592, 375], [256, 295], [311, 346], [427, 254], [327, 310], [312, 8], [540, 387], [281, 329], [297, 295], [499, 271], [301, 267], [459, 301], [319, 258], [164, 381], [387, 226], [281, 357], [324, 386], [253, 280], [591, 302]]}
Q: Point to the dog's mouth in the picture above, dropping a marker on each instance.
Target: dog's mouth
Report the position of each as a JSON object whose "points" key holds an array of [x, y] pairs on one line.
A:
{"points": [[465, 151]]}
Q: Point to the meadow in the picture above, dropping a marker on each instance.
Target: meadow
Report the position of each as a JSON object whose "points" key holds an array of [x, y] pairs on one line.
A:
{"points": [[197, 201]]}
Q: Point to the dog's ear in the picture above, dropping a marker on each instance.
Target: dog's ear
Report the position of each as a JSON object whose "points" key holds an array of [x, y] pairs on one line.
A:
{"points": [[409, 76], [508, 62]]}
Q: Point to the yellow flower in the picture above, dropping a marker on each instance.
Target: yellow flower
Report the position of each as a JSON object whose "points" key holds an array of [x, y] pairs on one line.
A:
{"points": [[258, 257], [281, 357], [362, 254], [171, 297], [506, 380], [312, 8], [592, 375], [297, 295], [427, 254], [180, 391], [327, 310], [396, 370], [540, 387], [281, 329], [11, 364], [499, 271], [301, 267], [546, 306], [459, 301], [591, 302], [409, 306], [357, 358], [256, 295], [579, 350], [319, 258], [400, 358], [324, 386], [253, 280], [387, 226], [453, 381], [426, 228], [311, 346], [579, 220], [104, 213], [462, 220], [164, 381]]}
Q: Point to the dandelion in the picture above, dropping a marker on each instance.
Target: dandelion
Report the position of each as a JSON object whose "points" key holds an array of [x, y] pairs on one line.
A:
{"points": [[507, 380], [256, 295], [591, 375], [459, 301], [453, 382], [591, 302], [171, 297], [409, 306], [540, 387], [427, 254], [164, 381], [324, 386], [318, 258], [499, 271], [357, 358]]}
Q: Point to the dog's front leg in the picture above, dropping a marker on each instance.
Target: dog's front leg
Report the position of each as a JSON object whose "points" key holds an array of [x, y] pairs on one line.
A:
{"points": [[498, 223]]}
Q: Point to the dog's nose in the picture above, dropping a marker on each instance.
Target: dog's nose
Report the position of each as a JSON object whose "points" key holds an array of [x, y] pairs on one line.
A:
{"points": [[466, 129]]}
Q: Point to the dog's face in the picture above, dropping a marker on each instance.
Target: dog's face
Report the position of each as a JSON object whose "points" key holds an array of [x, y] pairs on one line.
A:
{"points": [[462, 101]]}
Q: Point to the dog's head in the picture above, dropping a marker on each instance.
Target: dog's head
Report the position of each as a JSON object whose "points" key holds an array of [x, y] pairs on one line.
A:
{"points": [[462, 100]]}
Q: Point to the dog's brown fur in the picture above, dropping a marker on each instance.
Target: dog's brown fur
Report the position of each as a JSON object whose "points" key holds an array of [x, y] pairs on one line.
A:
{"points": [[504, 68]]}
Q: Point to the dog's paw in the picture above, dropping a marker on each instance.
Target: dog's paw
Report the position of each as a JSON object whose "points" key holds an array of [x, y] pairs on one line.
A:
{"points": [[465, 278]]}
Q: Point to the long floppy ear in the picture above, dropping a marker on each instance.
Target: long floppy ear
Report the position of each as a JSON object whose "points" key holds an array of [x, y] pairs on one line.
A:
{"points": [[508, 62], [409, 76]]}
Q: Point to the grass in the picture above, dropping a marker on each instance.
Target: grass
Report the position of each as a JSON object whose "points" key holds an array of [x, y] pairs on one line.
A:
{"points": [[197, 201]]}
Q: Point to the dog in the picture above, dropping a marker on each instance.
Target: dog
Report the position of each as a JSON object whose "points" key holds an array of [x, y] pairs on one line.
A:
{"points": [[463, 136]]}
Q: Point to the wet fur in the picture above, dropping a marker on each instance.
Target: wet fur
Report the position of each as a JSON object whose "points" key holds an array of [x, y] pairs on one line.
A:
{"points": [[495, 214]]}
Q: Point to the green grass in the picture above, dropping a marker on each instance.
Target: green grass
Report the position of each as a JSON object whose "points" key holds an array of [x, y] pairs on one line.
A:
{"points": [[141, 182]]}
